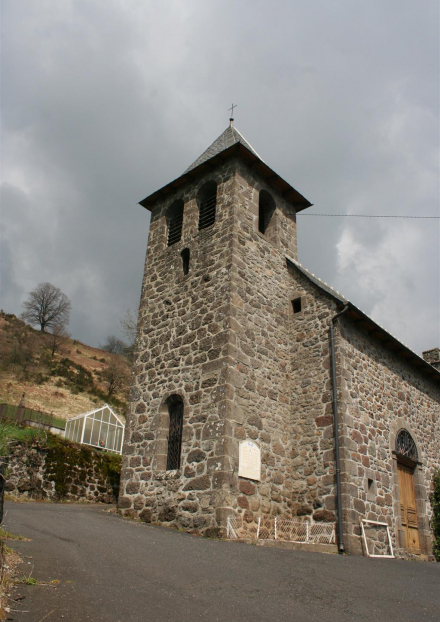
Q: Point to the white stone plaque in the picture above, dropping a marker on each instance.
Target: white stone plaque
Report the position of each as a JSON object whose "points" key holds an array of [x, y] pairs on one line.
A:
{"points": [[249, 460]]}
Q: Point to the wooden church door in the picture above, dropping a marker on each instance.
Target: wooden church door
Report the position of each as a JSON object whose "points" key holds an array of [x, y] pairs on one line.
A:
{"points": [[408, 506]]}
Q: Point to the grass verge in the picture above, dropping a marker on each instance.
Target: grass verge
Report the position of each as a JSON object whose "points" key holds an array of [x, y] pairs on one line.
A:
{"points": [[7, 535], [24, 580], [9, 560], [10, 434]]}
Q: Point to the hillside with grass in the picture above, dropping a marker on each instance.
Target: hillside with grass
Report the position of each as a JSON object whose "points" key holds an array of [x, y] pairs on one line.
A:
{"points": [[58, 375]]}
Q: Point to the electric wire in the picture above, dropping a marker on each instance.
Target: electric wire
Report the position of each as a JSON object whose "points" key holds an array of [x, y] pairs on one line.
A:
{"points": [[369, 216]]}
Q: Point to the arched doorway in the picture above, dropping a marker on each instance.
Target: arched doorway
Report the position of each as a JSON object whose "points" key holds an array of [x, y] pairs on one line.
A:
{"points": [[407, 458]]}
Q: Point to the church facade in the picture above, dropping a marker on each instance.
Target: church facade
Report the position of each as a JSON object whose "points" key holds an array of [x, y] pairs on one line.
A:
{"points": [[238, 342]]}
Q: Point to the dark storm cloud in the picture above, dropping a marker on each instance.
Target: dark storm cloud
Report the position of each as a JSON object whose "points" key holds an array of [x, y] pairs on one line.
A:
{"points": [[105, 102]]}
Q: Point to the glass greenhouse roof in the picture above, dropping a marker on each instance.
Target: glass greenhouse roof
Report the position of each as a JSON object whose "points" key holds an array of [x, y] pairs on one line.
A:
{"points": [[99, 428]]}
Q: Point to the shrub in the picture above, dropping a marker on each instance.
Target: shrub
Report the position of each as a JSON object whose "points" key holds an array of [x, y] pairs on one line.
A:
{"points": [[435, 522], [76, 376], [41, 378]]}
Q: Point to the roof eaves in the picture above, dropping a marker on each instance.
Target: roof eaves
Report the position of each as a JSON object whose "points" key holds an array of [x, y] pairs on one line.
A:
{"points": [[344, 301], [289, 192], [246, 142], [318, 282]]}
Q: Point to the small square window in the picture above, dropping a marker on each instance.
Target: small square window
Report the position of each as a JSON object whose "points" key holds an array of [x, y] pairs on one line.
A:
{"points": [[370, 485], [296, 305]]}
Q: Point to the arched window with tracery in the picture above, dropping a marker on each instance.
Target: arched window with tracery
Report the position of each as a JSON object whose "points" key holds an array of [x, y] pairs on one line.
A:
{"points": [[405, 446], [175, 221], [207, 202], [175, 410], [266, 211]]}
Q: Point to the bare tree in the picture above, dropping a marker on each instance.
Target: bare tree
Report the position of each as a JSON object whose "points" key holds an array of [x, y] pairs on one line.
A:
{"points": [[56, 337], [114, 345], [129, 328], [116, 376], [47, 306]]}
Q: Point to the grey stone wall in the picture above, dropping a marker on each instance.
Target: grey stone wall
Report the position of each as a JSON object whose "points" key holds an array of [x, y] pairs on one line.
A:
{"points": [[262, 366], [432, 357], [27, 477], [311, 400], [183, 348], [378, 394], [218, 337], [382, 394], [226, 339]]}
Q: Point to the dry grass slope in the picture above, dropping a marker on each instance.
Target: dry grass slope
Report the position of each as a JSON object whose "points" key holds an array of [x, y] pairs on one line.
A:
{"points": [[66, 378]]}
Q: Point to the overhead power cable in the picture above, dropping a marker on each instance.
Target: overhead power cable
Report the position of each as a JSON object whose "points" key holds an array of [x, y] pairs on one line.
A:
{"points": [[367, 216]]}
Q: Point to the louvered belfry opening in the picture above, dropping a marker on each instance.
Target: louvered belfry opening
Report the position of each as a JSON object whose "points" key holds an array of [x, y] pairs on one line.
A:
{"points": [[175, 221], [175, 409], [207, 201], [266, 210]]}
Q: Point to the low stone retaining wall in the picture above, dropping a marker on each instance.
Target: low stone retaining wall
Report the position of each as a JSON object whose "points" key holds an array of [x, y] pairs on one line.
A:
{"points": [[60, 470]]}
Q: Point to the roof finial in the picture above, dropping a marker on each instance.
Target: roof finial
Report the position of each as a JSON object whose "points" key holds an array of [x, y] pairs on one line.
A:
{"points": [[231, 120]]}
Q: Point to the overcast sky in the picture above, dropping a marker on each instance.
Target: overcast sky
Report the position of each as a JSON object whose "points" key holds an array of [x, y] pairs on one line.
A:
{"points": [[106, 101]]}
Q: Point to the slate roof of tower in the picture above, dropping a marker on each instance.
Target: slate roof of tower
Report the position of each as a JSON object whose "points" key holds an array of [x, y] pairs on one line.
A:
{"points": [[231, 143], [230, 137]]}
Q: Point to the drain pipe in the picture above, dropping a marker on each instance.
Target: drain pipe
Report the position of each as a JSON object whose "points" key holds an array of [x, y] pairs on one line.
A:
{"points": [[336, 429]]}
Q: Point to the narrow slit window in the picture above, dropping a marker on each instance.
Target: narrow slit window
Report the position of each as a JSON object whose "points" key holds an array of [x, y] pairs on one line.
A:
{"points": [[175, 222], [266, 211], [207, 203], [296, 305], [185, 254], [175, 409]]}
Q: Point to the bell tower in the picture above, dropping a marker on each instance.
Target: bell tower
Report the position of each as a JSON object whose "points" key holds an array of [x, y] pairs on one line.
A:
{"points": [[212, 367]]}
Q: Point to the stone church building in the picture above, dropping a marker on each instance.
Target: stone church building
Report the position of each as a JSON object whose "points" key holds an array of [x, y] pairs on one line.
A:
{"points": [[238, 344]]}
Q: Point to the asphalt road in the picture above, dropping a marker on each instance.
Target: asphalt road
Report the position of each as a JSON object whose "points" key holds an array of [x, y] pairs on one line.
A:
{"points": [[116, 570]]}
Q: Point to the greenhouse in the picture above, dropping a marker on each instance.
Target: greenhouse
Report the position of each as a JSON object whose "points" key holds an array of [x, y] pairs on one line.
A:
{"points": [[99, 428]]}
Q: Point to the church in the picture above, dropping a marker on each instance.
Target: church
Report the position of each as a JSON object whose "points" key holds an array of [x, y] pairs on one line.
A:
{"points": [[258, 389]]}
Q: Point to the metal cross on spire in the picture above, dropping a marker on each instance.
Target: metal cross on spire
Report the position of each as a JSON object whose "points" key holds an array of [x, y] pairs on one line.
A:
{"points": [[232, 113]]}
